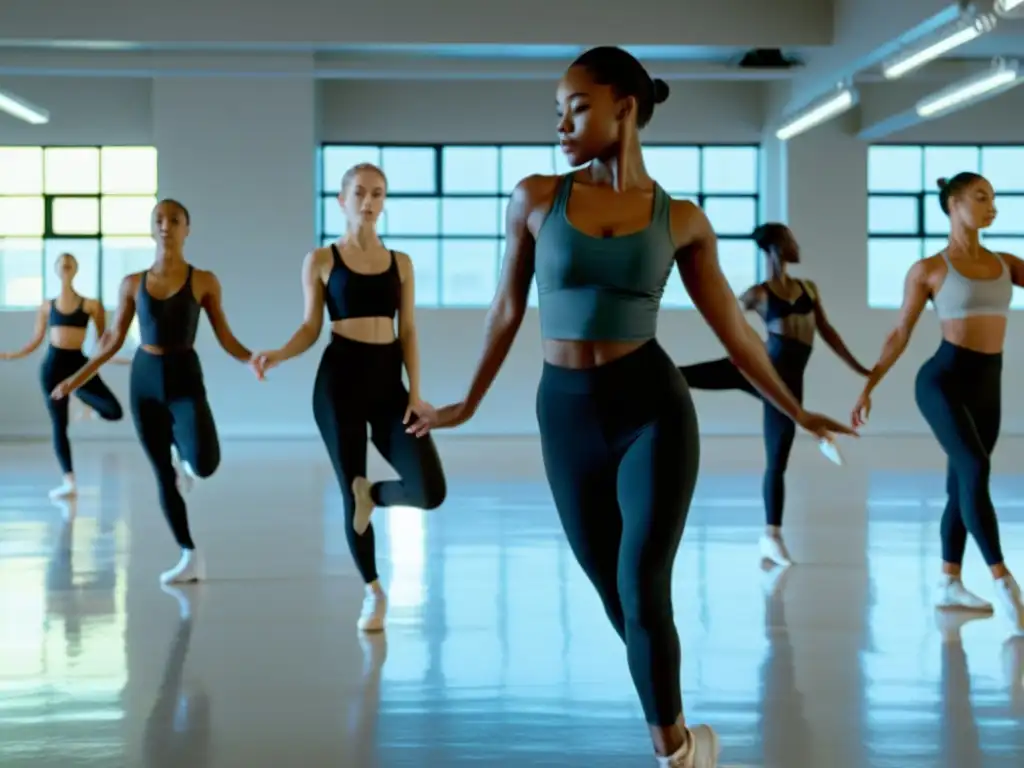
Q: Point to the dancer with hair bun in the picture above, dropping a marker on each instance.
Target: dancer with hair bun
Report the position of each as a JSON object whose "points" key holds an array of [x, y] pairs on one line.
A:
{"points": [[959, 390], [618, 429], [364, 286], [793, 313], [168, 395]]}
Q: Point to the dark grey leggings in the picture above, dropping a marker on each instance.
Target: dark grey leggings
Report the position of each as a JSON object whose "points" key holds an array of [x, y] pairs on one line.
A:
{"points": [[58, 365], [790, 359], [357, 385], [621, 451], [959, 393], [169, 407]]}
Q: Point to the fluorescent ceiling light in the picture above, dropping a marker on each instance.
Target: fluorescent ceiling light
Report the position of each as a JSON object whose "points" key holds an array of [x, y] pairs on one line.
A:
{"points": [[816, 114], [1001, 77], [1008, 5], [961, 33], [22, 110]]}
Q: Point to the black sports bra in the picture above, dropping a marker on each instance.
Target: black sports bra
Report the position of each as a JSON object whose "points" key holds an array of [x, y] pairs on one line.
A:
{"points": [[170, 323], [777, 308], [354, 294], [77, 319]]}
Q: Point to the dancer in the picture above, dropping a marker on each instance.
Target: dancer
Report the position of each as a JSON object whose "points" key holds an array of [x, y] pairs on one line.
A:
{"points": [[359, 381], [792, 312], [168, 396], [67, 318], [959, 389], [618, 429]]}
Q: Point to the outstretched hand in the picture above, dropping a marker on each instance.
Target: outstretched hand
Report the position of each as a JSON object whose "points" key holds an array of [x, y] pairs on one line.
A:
{"points": [[442, 418], [823, 427], [63, 389], [261, 362]]}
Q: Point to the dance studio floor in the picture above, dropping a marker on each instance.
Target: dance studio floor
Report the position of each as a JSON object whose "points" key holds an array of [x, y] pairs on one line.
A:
{"points": [[498, 652]]}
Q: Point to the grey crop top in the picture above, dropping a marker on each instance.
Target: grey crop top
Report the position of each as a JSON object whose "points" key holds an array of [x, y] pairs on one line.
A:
{"points": [[601, 288], [961, 297]]}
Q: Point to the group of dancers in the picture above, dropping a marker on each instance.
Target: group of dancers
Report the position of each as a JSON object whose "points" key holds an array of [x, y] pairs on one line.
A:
{"points": [[618, 427]]}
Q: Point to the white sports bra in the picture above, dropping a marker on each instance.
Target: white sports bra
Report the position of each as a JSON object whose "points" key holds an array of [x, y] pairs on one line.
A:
{"points": [[961, 297]]}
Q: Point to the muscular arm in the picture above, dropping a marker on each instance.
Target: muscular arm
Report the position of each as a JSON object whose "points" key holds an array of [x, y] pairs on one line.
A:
{"points": [[915, 296], [407, 325], [697, 260], [313, 313], [509, 304], [38, 334], [831, 335], [212, 304]]}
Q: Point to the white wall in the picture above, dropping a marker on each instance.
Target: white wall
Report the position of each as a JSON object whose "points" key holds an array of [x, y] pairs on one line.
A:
{"points": [[239, 152]]}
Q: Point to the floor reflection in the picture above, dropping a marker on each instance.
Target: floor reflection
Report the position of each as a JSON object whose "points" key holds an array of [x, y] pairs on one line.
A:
{"points": [[498, 650]]}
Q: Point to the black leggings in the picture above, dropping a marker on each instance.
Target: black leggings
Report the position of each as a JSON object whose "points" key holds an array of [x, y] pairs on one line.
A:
{"points": [[359, 384], [621, 451], [169, 406], [790, 358], [959, 394], [58, 365]]}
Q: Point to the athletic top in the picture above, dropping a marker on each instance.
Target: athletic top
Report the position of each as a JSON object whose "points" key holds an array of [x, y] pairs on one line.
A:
{"points": [[170, 323], [961, 297], [594, 288], [77, 319], [778, 308], [357, 294]]}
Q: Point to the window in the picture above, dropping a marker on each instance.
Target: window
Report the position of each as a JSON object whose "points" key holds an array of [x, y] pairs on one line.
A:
{"points": [[905, 222], [93, 202], [446, 208]]}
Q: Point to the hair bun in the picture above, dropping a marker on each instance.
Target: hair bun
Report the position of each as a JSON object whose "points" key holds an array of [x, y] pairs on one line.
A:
{"points": [[660, 90], [942, 182]]}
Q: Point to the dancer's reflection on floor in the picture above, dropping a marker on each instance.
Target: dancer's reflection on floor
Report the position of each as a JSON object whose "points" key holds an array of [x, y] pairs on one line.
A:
{"points": [[177, 731], [365, 706], [785, 733], [960, 745]]}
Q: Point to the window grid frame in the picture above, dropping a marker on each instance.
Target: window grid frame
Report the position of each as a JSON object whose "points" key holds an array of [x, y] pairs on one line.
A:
{"points": [[49, 197], [927, 190], [440, 194]]}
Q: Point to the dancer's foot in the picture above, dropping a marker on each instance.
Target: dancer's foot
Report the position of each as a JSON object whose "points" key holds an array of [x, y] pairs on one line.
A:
{"points": [[952, 595], [189, 569], [700, 750], [773, 549], [951, 622], [186, 475], [375, 608], [364, 504], [66, 489], [1011, 602]]}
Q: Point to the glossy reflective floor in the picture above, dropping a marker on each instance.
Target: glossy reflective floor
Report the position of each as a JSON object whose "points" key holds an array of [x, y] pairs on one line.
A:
{"points": [[498, 652]]}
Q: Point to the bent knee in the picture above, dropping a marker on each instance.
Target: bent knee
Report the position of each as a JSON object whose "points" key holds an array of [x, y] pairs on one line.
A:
{"points": [[434, 495], [114, 413]]}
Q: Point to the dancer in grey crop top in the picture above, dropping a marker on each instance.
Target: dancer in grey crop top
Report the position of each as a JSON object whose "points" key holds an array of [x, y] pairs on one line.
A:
{"points": [[618, 430], [959, 389]]}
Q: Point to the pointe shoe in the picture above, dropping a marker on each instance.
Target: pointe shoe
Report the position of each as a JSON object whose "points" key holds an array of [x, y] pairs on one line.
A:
{"points": [[188, 570], [773, 549], [701, 750]]}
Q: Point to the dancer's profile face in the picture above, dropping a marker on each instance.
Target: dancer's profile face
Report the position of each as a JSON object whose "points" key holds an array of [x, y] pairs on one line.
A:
{"points": [[170, 226], [66, 266], [363, 198], [787, 248], [591, 120], [975, 206]]}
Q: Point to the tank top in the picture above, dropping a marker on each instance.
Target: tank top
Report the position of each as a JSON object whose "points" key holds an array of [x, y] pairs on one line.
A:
{"points": [[961, 297], [602, 288], [77, 319], [351, 294], [170, 323]]}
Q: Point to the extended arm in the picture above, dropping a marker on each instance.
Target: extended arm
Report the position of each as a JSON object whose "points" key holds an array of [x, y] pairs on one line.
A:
{"points": [[509, 304], [111, 341], [831, 335], [218, 320], [312, 317], [407, 326], [38, 334], [915, 296], [697, 260]]}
